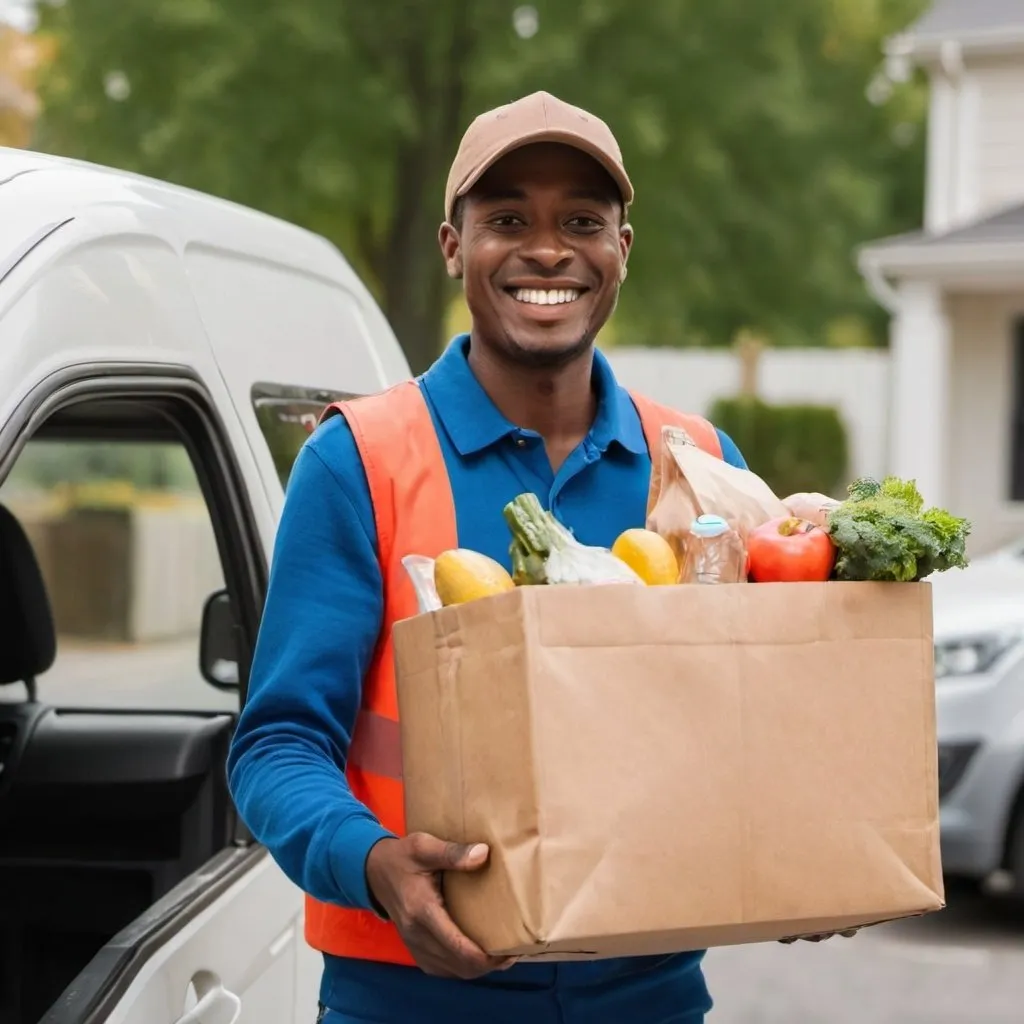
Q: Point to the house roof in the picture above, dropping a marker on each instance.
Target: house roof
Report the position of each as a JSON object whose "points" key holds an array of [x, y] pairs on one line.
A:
{"points": [[979, 25], [992, 241], [953, 18], [1006, 225]]}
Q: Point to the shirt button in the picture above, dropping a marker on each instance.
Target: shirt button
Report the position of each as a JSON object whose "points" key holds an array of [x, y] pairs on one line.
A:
{"points": [[521, 442]]}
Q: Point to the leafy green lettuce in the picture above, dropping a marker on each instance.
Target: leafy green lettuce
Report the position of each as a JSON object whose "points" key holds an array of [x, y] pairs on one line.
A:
{"points": [[883, 532]]}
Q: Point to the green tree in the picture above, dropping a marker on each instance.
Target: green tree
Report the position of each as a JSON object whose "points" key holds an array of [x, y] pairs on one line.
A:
{"points": [[21, 57], [757, 158]]}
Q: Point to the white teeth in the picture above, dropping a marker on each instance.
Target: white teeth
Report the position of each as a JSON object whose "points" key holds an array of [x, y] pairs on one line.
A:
{"points": [[552, 297]]}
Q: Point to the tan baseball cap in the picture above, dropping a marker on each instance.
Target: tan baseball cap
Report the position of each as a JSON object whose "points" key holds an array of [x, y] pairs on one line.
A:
{"points": [[539, 117]]}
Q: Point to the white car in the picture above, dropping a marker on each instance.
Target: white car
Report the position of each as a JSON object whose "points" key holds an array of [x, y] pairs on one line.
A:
{"points": [[148, 333], [979, 668]]}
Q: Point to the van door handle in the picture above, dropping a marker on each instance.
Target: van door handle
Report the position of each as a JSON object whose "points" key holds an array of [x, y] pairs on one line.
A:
{"points": [[217, 1006]]}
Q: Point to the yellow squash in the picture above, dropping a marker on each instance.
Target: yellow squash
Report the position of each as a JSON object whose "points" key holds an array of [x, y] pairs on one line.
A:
{"points": [[462, 575], [649, 555]]}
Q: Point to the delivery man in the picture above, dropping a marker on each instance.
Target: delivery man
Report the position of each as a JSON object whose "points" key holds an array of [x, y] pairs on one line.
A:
{"points": [[536, 229]]}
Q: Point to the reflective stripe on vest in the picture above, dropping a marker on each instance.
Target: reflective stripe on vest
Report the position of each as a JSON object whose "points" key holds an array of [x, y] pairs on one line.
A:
{"points": [[414, 513]]}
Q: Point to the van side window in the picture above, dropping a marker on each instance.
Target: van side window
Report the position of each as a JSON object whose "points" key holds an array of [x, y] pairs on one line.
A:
{"points": [[287, 415], [128, 554]]}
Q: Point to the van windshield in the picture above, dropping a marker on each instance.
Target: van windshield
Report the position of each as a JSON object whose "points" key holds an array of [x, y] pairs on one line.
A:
{"points": [[287, 415]]}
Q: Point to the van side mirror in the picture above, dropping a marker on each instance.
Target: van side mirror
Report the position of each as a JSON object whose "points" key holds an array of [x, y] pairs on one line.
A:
{"points": [[219, 642]]}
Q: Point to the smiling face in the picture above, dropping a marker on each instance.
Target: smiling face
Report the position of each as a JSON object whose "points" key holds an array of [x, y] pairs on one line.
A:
{"points": [[541, 247]]}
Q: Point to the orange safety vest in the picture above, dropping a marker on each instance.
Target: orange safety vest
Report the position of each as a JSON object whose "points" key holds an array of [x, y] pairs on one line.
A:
{"points": [[414, 514]]}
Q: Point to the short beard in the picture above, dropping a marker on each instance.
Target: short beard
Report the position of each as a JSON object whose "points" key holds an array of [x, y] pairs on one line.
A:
{"points": [[533, 359]]}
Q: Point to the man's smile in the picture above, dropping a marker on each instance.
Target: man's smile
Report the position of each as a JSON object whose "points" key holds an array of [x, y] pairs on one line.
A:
{"points": [[545, 296]]}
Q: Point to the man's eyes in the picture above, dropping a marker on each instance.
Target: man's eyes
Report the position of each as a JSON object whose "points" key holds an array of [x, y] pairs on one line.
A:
{"points": [[579, 222], [585, 223], [506, 220]]}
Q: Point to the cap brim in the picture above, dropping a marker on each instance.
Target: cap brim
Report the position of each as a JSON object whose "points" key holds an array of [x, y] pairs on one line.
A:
{"points": [[617, 172]]}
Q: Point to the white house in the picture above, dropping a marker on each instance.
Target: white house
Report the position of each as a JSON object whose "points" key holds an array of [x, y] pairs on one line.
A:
{"points": [[956, 288]]}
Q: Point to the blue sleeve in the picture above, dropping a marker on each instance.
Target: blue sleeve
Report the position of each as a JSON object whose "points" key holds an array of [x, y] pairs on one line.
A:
{"points": [[320, 625], [730, 453]]}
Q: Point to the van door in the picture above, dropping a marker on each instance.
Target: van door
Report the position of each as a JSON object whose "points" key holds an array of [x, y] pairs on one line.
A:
{"points": [[234, 962], [129, 890]]}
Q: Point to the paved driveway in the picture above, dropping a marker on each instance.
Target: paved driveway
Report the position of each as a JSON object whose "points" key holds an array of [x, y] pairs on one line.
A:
{"points": [[963, 965]]}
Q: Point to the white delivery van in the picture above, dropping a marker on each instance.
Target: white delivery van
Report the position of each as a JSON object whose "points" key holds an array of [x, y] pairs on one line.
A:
{"points": [[162, 357]]}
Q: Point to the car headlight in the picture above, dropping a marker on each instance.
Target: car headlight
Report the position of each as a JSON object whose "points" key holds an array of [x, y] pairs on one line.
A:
{"points": [[972, 655]]}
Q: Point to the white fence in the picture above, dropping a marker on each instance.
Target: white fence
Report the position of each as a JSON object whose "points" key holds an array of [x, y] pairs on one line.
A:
{"points": [[855, 381]]}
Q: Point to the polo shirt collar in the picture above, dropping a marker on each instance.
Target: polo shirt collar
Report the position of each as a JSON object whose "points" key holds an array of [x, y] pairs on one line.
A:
{"points": [[473, 422], [617, 421]]}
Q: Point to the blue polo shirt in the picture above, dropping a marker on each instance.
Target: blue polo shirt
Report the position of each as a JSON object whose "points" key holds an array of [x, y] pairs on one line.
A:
{"points": [[320, 625]]}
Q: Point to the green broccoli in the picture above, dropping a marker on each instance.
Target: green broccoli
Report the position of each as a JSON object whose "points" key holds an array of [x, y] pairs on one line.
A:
{"points": [[883, 532]]}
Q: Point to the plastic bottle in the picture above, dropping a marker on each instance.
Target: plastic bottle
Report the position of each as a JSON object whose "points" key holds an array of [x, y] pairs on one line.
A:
{"points": [[714, 552]]}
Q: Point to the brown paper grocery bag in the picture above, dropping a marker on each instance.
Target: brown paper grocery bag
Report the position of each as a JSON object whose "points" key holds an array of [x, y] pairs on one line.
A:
{"points": [[687, 482], [670, 768]]}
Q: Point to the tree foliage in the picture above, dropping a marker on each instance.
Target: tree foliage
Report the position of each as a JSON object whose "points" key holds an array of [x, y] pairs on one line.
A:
{"points": [[21, 57], [757, 158]]}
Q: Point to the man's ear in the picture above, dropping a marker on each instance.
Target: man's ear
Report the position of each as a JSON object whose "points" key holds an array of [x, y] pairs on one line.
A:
{"points": [[451, 249], [625, 247]]}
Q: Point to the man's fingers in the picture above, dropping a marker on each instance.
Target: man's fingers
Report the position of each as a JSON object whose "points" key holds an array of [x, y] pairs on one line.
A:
{"points": [[438, 944], [435, 958], [431, 960], [462, 953], [820, 936], [465, 856], [442, 928], [437, 855]]}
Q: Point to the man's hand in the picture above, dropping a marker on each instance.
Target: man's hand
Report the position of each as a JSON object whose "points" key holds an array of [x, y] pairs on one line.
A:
{"points": [[821, 936], [404, 876]]}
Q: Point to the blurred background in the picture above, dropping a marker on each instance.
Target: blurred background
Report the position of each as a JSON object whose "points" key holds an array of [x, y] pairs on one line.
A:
{"points": [[829, 262]]}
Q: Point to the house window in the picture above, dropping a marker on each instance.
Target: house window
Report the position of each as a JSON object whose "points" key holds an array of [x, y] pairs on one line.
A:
{"points": [[1017, 414]]}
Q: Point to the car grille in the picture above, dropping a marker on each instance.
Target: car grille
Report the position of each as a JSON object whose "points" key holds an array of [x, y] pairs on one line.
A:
{"points": [[953, 761]]}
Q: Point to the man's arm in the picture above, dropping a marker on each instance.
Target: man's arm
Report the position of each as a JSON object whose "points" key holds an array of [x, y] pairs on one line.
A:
{"points": [[320, 625]]}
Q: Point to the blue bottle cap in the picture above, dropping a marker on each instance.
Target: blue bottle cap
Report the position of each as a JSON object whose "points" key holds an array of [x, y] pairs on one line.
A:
{"points": [[709, 526]]}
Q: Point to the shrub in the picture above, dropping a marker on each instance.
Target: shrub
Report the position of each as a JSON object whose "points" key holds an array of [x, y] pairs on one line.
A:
{"points": [[792, 447]]}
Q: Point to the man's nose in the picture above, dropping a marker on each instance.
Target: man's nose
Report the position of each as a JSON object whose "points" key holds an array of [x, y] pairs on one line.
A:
{"points": [[547, 247]]}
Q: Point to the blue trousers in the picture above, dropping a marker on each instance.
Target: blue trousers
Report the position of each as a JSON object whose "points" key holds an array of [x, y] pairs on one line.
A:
{"points": [[471, 1016], [365, 993]]}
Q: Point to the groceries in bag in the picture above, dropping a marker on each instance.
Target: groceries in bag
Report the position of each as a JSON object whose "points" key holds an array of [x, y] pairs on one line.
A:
{"points": [[711, 522], [790, 550], [649, 555], [420, 570], [544, 552], [882, 531], [462, 575], [811, 506], [714, 553], [690, 483]]}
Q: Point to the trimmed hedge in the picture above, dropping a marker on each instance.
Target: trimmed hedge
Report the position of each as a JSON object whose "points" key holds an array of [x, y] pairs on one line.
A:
{"points": [[792, 447]]}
